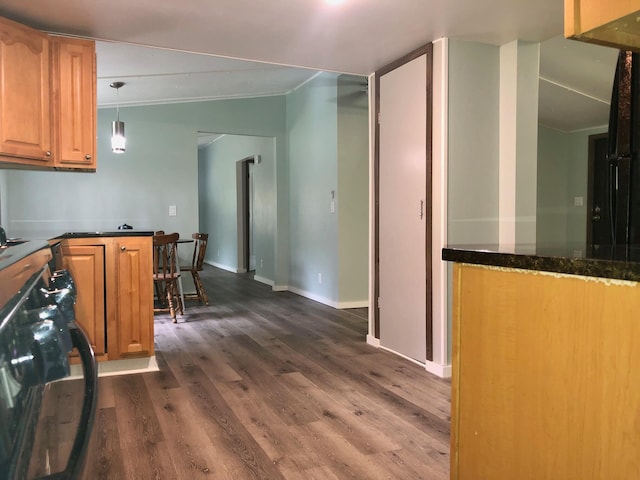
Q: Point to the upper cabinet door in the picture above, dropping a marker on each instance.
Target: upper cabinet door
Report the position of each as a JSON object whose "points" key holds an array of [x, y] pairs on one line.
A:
{"points": [[74, 102], [25, 117]]}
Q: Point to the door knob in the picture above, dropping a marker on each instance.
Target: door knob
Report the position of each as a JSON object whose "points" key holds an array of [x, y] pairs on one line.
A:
{"points": [[595, 218]]}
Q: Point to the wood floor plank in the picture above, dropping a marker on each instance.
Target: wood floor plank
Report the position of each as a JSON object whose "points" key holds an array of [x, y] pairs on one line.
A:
{"points": [[186, 439], [145, 452], [105, 459], [270, 385]]}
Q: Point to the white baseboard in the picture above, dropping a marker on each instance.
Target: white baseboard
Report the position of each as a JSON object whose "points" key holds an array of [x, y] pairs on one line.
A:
{"points": [[373, 341], [222, 267], [356, 304], [313, 296], [280, 288], [442, 371], [119, 367], [264, 280]]}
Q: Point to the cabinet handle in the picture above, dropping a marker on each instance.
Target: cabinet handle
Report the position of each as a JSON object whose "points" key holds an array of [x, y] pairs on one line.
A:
{"points": [[87, 157], [47, 153], [123, 248]]}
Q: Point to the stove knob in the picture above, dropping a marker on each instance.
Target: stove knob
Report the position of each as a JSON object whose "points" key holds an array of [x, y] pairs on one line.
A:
{"points": [[55, 314], [61, 279], [63, 298]]}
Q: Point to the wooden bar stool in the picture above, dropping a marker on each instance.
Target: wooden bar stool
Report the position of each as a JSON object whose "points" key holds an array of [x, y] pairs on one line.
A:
{"points": [[197, 261], [166, 274]]}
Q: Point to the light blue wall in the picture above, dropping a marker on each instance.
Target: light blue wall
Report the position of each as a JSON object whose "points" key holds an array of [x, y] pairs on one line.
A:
{"points": [[553, 175], [218, 200], [312, 141], [353, 190], [319, 138], [563, 162], [473, 143], [159, 168]]}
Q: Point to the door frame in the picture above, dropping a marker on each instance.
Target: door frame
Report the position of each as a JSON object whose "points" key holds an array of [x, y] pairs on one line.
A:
{"points": [[428, 51], [243, 214]]}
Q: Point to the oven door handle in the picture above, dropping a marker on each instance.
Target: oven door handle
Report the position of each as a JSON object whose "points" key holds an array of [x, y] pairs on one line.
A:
{"points": [[78, 453]]}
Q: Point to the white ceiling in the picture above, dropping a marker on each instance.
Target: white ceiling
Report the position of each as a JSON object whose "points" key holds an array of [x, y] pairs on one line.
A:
{"points": [[356, 36]]}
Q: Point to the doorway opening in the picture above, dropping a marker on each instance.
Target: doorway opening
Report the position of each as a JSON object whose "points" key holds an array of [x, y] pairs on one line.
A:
{"points": [[246, 196]]}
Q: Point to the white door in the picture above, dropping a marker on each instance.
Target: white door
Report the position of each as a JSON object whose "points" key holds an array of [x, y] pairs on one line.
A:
{"points": [[402, 192]]}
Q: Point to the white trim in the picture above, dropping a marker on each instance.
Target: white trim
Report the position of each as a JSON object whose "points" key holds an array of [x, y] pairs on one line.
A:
{"points": [[264, 280], [280, 288], [442, 371], [221, 266], [372, 205], [119, 367], [313, 296], [440, 139], [371, 340], [354, 304]]}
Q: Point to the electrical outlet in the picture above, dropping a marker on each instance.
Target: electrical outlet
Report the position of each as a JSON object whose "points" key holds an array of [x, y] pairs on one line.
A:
{"points": [[320, 278], [173, 211], [261, 263]]}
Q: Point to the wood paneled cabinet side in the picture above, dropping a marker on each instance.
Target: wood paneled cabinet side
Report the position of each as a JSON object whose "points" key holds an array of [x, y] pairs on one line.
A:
{"points": [[135, 296], [86, 265], [544, 376], [73, 67], [605, 22], [25, 116]]}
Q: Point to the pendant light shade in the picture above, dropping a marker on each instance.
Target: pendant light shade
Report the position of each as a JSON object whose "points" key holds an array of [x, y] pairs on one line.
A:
{"points": [[118, 139]]}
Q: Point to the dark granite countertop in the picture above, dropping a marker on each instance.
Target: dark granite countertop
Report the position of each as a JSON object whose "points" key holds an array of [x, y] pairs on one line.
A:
{"points": [[605, 261], [114, 233]]}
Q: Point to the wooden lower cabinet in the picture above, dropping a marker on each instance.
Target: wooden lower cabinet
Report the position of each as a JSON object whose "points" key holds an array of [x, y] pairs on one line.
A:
{"points": [[135, 297], [86, 264], [113, 276], [545, 376]]}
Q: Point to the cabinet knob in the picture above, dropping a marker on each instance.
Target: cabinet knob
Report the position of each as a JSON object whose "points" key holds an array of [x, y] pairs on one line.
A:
{"points": [[87, 157], [48, 153], [123, 248]]}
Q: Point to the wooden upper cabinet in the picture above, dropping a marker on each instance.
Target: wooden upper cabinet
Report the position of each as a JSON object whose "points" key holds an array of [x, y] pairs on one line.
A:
{"points": [[25, 98], [47, 99], [74, 102], [612, 23]]}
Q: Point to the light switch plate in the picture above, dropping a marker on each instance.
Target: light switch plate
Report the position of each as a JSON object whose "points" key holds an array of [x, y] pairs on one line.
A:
{"points": [[578, 201], [172, 211]]}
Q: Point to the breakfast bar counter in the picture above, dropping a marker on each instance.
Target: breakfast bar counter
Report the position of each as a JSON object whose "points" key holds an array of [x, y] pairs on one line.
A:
{"points": [[545, 381]]}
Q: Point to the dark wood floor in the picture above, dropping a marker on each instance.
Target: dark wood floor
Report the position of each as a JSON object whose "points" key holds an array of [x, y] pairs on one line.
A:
{"points": [[270, 385]]}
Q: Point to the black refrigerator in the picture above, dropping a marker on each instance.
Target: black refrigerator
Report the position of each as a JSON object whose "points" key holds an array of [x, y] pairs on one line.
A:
{"points": [[623, 143]]}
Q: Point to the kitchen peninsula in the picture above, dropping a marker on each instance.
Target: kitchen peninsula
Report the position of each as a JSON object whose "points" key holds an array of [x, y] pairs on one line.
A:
{"points": [[113, 276], [545, 363]]}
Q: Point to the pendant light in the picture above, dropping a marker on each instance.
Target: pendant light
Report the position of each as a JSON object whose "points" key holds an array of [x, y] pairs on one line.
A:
{"points": [[117, 129]]}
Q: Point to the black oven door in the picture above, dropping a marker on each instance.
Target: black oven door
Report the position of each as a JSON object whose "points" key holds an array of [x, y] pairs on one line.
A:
{"points": [[45, 418], [62, 435]]}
